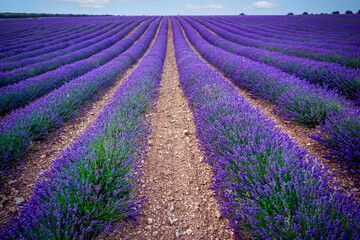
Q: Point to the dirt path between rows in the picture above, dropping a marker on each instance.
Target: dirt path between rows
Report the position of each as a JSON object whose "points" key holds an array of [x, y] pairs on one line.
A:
{"points": [[181, 205], [296, 132], [43, 153]]}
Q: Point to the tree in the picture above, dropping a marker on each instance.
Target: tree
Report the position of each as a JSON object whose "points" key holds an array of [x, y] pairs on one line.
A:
{"points": [[358, 12], [349, 12], [290, 13], [305, 13], [335, 12], [242, 13]]}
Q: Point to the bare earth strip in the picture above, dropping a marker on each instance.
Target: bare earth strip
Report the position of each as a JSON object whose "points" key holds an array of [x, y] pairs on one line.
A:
{"points": [[178, 182], [298, 133], [43, 153]]}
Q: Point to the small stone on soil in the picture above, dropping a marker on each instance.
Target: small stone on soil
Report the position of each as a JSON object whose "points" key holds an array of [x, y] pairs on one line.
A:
{"points": [[189, 231], [172, 221], [19, 201]]}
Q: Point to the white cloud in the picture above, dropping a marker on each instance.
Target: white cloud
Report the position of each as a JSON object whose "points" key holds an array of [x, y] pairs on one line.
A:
{"points": [[132, 1], [263, 5], [207, 6], [86, 3]]}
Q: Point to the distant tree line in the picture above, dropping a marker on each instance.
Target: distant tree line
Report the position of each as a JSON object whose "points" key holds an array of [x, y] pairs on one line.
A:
{"points": [[39, 15], [334, 12], [306, 13]]}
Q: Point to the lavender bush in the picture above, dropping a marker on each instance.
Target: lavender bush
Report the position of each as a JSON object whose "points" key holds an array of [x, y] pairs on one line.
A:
{"points": [[341, 133]]}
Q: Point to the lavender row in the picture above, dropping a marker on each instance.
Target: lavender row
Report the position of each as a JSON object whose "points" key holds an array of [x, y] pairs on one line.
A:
{"points": [[295, 99], [266, 185], [334, 76], [46, 28], [58, 46], [33, 44], [332, 55], [98, 44], [36, 28], [275, 38], [25, 27], [341, 57], [337, 37], [42, 35], [262, 29], [53, 26], [20, 94], [306, 34], [17, 49], [18, 31], [96, 182], [35, 120], [46, 53], [336, 27], [61, 49]]}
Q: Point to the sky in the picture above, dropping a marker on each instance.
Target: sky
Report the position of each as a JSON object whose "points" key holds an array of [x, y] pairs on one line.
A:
{"points": [[182, 7]]}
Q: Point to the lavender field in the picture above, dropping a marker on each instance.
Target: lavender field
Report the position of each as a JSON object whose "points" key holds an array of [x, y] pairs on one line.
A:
{"points": [[186, 127]]}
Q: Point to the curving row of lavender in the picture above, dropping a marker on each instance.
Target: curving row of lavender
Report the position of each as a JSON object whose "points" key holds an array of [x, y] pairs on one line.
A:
{"points": [[95, 45], [95, 182], [267, 186], [335, 76], [35, 120], [349, 59]]}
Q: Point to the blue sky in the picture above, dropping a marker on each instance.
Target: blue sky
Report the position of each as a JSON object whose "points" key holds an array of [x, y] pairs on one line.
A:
{"points": [[182, 7]]}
